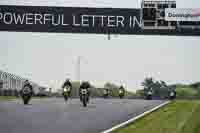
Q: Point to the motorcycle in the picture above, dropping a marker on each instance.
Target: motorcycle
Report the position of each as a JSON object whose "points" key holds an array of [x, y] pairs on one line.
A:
{"points": [[84, 97], [121, 94], [149, 95], [26, 94], [172, 95], [66, 92]]}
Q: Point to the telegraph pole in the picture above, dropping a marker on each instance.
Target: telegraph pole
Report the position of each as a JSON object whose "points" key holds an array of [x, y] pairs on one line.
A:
{"points": [[78, 71], [78, 67]]}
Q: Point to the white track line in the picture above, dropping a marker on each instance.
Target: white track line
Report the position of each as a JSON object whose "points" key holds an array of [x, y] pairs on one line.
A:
{"points": [[135, 118]]}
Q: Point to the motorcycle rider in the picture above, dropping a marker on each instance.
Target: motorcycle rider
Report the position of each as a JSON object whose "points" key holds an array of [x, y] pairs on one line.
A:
{"points": [[24, 92], [122, 88], [149, 94], [26, 84], [121, 91], [172, 94], [84, 85], [106, 92], [67, 83]]}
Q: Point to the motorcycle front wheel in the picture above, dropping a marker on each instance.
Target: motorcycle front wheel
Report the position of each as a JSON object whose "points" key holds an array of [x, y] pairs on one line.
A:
{"points": [[66, 98], [121, 96], [26, 100], [84, 101], [80, 98]]}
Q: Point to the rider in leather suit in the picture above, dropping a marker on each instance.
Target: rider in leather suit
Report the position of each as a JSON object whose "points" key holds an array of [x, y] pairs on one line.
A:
{"points": [[67, 83]]}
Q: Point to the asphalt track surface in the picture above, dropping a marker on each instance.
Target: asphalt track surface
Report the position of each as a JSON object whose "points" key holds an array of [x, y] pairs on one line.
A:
{"points": [[56, 116]]}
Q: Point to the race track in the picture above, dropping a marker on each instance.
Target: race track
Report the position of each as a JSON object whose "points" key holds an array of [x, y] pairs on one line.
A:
{"points": [[55, 116]]}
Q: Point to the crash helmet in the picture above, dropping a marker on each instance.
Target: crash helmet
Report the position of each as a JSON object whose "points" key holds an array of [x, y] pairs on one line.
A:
{"points": [[26, 81], [67, 80], [121, 87]]}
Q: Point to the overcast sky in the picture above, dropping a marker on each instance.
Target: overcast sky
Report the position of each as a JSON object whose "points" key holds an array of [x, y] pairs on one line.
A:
{"points": [[48, 58]]}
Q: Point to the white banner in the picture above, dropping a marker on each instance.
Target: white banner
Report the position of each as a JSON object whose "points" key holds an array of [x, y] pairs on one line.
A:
{"points": [[182, 14]]}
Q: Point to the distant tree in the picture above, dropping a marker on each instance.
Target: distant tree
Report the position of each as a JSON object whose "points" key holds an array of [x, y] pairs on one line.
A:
{"points": [[195, 85], [148, 84], [110, 85], [164, 89], [163, 84], [159, 88], [113, 89], [140, 93]]}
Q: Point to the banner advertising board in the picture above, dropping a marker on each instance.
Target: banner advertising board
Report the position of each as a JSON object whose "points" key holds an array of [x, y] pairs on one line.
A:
{"points": [[69, 19], [181, 14]]}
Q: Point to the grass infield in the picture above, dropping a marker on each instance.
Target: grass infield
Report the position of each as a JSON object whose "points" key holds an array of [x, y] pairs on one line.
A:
{"points": [[180, 116], [14, 98], [8, 97]]}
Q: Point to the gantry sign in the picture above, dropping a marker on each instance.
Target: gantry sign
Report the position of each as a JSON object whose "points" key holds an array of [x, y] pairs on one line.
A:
{"points": [[81, 20], [69, 19]]}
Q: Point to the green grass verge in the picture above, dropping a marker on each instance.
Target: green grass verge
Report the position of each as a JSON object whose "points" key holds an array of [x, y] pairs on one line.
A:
{"points": [[186, 91], [13, 98], [8, 97], [177, 117]]}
